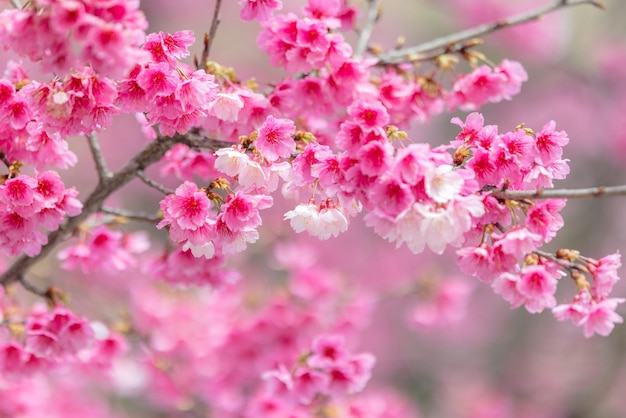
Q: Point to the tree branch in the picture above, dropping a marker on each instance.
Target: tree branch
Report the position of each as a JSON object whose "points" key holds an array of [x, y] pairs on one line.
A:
{"points": [[208, 38], [5, 160], [142, 176], [559, 193], [143, 217], [151, 153], [373, 14], [98, 158], [456, 41], [33, 289], [16, 4]]}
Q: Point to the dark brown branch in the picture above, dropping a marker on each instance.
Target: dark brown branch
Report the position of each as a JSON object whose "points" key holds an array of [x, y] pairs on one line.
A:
{"points": [[456, 41], [5, 160], [560, 193]]}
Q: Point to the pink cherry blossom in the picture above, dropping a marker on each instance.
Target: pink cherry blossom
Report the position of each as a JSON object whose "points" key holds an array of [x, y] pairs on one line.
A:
{"points": [[601, 317], [259, 9], [275, 139]]}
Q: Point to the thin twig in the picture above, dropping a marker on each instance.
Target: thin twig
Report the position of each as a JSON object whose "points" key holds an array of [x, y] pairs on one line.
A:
{"points": [[133, 216], [33, 289], [16, 4], [5, 160], [208, 38], [98, 158], [560, 193], [373, 14], [456, 41], [148, 181]]}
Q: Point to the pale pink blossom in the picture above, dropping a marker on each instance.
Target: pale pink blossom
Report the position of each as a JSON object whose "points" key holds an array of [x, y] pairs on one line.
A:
{"points": [[226, 106], [601, 317], [442, 183]]}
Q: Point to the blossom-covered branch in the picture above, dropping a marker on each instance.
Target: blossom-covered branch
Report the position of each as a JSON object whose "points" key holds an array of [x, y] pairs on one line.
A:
{"points": [[152, 153], [457, 41]]}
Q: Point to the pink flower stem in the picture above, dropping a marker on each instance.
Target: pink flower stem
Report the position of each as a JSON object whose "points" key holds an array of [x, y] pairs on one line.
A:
{"points": [[457, 41]]}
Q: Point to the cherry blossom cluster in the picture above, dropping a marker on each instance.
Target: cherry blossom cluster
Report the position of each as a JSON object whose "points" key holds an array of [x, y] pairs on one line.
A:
{"points": [[517, 160], [101, 249], [180, 267], [328, 370], [512, 231], [45, 339], [486, 84], [193, 221], [29, 203], [301, 45], [66, 34], [172, 95], [29, 135], [209, 344], [591, 307], [81, 103]]}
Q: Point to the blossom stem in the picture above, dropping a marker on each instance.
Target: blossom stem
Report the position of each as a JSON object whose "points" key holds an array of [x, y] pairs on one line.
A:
{"points": [[148, 181], [98, 158], [374, 12], [457, 41], [16, 3], [560, 193], [31, 288]]}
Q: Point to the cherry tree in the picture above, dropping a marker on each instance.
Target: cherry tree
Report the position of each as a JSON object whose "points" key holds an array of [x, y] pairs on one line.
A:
{"points": [[223, 269]]}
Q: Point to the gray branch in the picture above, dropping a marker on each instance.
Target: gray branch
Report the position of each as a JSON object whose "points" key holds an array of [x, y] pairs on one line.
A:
{"points": [[560, 193], [151, 183], [373, 14], [456, 41], [133, 216], [98, 158]]}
